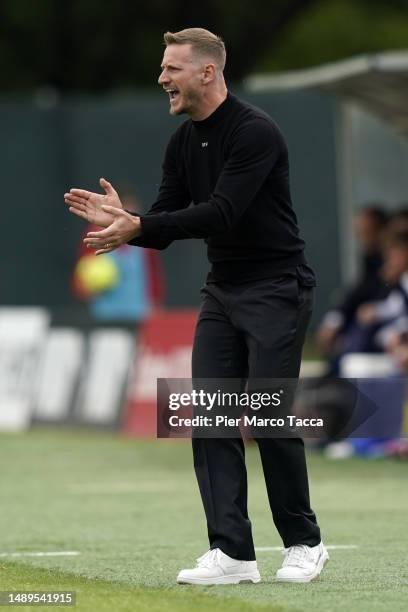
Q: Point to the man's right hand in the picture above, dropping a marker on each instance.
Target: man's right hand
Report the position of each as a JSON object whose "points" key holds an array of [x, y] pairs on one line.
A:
{"points": [[88, 205]]}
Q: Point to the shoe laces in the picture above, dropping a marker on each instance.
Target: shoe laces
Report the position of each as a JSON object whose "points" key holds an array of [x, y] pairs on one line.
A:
{"points": [[209, 559], [296, 555]]}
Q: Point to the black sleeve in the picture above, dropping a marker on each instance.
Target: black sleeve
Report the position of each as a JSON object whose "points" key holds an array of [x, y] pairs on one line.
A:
{"points": [[255, 148], [172, 196]]}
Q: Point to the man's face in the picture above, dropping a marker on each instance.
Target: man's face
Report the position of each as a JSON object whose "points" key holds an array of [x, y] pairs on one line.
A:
{"points": [[368, 232], [181, 77], [395, 262]]}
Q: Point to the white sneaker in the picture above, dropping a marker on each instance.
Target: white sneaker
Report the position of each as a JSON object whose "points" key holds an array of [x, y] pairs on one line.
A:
{"points": [[302, 563], [215, 567]]}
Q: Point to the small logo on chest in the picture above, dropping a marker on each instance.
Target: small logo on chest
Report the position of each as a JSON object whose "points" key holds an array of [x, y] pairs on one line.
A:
{"points": [[204, 144]]}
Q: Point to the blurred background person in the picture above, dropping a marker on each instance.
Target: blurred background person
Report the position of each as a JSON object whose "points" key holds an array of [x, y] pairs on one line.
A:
{"points": [[390, 315], [399, 219], [387, 321], [337, 332], [378, 326], [123, 287]]}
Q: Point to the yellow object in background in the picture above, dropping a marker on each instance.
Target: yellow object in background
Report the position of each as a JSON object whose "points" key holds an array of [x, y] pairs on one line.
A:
{"points": [[96, 274]]}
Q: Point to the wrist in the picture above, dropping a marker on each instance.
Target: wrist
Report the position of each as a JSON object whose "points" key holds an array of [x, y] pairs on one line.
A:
{"points": [[137, 228]]}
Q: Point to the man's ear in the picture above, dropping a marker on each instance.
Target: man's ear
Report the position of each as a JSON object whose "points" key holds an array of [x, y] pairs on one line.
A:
{"points": [[209, 72]]}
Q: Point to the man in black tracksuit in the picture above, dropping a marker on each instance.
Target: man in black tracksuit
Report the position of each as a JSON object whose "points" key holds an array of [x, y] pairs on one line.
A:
{"points": [[226, 180]]}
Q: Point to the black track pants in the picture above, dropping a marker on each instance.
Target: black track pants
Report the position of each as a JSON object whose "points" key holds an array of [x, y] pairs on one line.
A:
{"points": [[254, 330]]}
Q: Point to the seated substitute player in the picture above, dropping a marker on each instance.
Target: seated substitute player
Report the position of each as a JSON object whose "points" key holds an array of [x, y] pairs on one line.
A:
{"points": [[226, 180]]}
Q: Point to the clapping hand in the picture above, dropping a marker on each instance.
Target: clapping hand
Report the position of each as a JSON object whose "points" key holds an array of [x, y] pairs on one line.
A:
{"points": [[88, 205], [123, 228]]}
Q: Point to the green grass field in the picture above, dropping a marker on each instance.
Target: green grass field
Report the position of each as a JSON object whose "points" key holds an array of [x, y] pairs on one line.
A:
{"points": [[132, 510]]}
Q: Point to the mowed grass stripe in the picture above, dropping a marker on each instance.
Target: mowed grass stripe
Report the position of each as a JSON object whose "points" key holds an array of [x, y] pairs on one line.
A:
{"points": [[104, 596]]}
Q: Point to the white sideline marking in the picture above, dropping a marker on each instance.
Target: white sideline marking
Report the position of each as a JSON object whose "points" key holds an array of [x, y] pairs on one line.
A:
{"points": [[58, 553], [332, 547]]}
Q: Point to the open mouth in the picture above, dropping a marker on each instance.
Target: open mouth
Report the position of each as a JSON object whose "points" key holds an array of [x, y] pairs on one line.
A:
{"points": [[173, 94]]}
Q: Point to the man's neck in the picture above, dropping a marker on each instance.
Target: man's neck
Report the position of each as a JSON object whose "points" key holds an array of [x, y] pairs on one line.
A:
{"points": [[210, 105]]}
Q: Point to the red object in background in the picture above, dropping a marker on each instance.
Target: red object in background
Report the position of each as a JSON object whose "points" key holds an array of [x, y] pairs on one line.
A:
{"points": [[155, 278], [164, 351]]}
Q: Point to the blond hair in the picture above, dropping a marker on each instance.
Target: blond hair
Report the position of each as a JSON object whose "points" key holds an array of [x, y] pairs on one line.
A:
{"points": [[202, 42]]}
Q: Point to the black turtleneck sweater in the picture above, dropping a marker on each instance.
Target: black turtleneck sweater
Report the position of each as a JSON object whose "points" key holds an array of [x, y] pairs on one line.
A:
{"points": [[226, 180]]}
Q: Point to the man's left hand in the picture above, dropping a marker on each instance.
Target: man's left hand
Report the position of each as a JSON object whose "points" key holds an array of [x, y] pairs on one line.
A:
{"points": [[124, 227]]}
